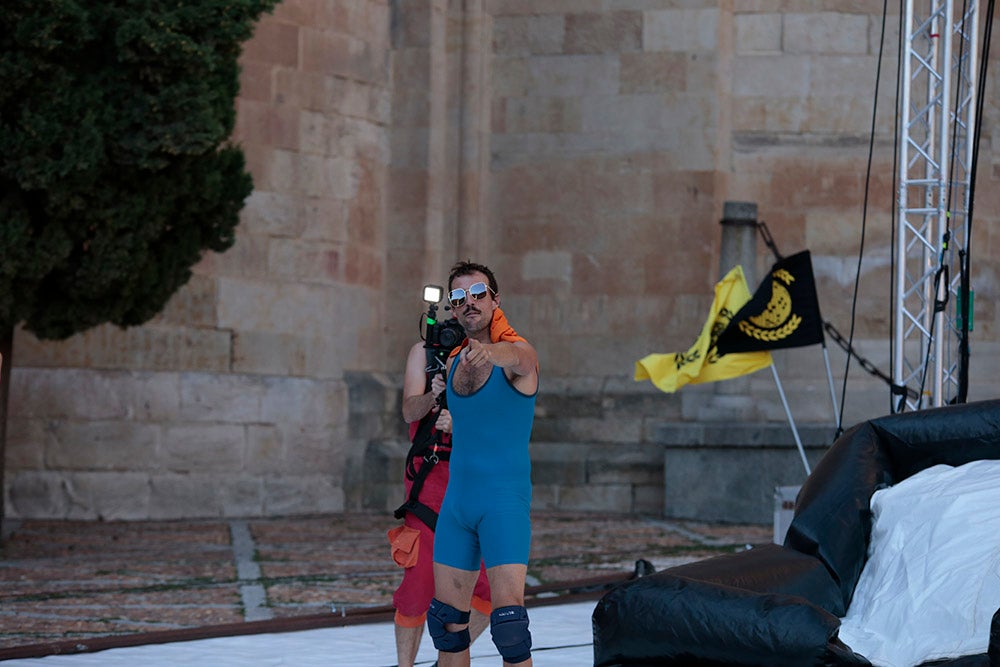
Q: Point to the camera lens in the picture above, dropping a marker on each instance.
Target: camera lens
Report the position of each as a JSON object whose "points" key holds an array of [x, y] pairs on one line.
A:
{"points": [[449, 337]]}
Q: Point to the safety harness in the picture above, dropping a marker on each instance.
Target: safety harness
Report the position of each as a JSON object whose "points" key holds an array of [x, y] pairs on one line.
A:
{"points": [[426, 444]]}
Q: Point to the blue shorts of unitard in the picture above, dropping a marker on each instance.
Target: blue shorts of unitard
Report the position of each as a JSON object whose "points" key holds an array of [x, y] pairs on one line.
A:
{"points": [[483, 526]]}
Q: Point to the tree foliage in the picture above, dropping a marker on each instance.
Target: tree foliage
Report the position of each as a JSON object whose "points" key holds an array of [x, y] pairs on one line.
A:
{"points": [[115, 169]]}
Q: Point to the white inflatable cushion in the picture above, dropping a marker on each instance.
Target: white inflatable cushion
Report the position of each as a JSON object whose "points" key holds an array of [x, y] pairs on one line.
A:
{"points": [[932, 580]]}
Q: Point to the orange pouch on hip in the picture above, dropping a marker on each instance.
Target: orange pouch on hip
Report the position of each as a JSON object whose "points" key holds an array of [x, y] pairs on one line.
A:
{"points": [[405, 545]]}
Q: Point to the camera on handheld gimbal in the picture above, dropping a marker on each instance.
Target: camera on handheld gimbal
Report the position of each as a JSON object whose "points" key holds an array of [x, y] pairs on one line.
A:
{"points": [[440, 338]]}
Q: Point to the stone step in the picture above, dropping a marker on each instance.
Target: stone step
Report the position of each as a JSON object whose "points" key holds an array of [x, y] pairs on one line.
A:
{"points": [[700, 471]]}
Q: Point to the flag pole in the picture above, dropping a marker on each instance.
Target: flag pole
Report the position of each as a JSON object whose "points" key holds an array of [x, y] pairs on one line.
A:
{"points": [[791, 422]]}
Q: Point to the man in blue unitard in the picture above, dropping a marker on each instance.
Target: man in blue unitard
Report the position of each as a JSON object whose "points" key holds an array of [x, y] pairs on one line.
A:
{"points": [[492, 383]]}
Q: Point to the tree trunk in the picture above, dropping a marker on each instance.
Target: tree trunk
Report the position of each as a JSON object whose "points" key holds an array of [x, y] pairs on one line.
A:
{"points": [[6, 349]]}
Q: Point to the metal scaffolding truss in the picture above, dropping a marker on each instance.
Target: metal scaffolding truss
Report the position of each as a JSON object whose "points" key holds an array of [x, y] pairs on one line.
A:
{"points": [[937, 117]]}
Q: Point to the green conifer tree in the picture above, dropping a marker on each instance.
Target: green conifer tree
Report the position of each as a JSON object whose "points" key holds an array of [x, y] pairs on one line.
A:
{"points": [[116, 174]]}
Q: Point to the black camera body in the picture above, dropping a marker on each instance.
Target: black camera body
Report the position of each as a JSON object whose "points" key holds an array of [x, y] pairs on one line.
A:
{"points": [[445, 335]]}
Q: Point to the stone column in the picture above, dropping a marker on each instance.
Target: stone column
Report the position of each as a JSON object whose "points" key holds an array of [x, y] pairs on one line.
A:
{"points": [[739, 240], [474, 132], [731, 399]]}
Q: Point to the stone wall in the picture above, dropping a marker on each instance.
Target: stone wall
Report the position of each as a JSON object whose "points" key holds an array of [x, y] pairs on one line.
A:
{"points": [[584, 150]]}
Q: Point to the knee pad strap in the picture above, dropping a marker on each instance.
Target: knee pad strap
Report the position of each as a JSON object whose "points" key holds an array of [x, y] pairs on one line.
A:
{"points": [[509, 628], [438, 616]]}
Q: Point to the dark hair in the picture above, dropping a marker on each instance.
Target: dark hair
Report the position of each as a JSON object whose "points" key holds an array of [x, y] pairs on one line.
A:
{"points": [[467, 267]]}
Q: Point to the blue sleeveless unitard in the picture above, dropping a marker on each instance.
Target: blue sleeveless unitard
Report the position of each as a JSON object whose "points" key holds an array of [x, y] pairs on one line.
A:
{"points": [[486, 509]]}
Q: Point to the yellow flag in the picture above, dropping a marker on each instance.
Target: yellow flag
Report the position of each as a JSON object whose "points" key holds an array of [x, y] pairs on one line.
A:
{"points": [[702, 362]]}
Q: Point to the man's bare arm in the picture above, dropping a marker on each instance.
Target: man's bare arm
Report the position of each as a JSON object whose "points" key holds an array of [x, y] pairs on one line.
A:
{"points": [[518, 357], [416, 401]]}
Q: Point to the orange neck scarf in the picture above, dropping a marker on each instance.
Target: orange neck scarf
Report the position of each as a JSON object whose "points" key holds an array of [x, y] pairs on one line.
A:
{"points": [[500, 331]]}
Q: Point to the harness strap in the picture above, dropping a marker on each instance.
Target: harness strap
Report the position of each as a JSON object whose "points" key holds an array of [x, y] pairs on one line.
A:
{"points": [[426, 445], [419, 510], [412, 503]]}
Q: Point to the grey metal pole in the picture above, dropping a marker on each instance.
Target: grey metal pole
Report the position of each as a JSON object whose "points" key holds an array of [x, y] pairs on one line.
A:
{"points": [[791, 422]]}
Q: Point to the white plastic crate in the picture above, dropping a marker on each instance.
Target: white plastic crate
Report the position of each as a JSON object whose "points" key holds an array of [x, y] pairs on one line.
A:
{"points": [[784, 510]]}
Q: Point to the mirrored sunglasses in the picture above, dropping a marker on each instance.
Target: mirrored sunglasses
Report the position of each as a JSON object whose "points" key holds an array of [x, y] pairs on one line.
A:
{"points": [[477, 291]]}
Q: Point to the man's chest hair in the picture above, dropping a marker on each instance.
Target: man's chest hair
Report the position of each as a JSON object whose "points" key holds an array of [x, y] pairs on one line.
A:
{"points": [[468, 379]]}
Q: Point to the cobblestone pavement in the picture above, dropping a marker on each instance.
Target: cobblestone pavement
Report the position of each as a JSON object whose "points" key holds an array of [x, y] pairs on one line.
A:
{"points": [[74, 580]]}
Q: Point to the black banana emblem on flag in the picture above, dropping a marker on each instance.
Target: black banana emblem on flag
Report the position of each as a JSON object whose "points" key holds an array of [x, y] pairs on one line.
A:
{"points": [[783, 312], [777, 320]]}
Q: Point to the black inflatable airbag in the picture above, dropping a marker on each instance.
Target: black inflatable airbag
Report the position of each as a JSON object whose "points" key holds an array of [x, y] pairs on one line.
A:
{"points": [[779, 605]]}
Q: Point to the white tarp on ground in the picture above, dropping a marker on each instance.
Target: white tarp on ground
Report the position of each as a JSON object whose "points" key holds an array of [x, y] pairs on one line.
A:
{"points": [[561, 635], [932, 582]]}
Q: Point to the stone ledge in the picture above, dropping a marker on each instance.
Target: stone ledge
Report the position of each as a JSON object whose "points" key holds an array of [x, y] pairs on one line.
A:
{"points": [[682, 435]]}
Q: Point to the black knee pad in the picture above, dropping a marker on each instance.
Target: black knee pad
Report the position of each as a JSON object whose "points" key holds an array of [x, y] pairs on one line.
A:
{"points": [[509, 628], [440, 614]]}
